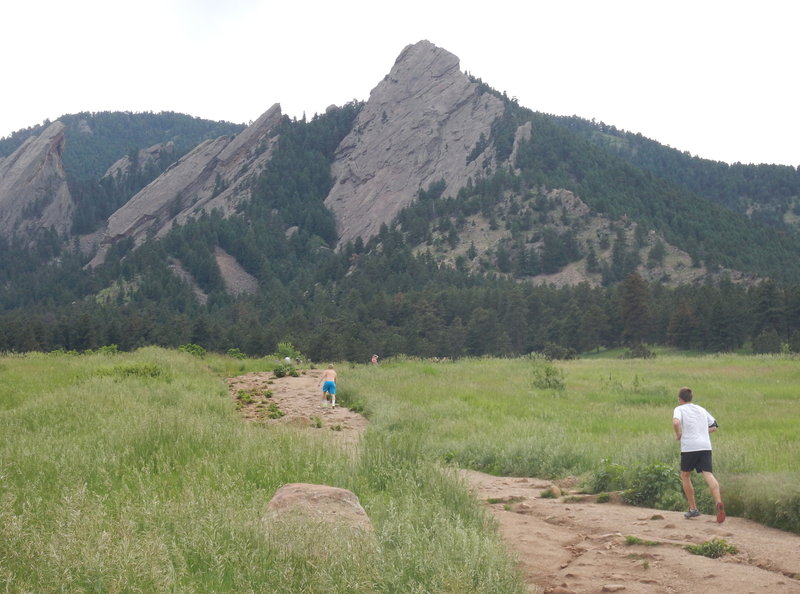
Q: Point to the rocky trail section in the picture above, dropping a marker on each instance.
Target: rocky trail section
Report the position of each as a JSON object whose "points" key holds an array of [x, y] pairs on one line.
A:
{"points": [[574, 544], [570, 543]]}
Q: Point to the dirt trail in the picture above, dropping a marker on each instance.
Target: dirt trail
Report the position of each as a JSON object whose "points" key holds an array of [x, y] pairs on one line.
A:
{"points": [[299, 399], [571, 543]]}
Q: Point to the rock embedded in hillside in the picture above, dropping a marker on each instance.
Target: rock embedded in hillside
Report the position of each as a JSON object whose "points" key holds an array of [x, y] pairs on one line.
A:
{"points": [[215, 176], [33, 187], [421, 124], [237, 280], [144, 158]]}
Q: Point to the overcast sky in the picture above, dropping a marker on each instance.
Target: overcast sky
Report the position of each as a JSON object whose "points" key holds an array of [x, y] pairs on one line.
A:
{"points": [[715, 78]]}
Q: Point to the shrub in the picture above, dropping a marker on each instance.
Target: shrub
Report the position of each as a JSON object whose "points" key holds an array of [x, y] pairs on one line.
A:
{"points": [[287, 349], [656, 485], [548, 377], [284, 370], [635, 540], [192, 349], [236, 354], [273, 412], [608, 477], [556, 351], [713, 549], [638, 351], [248, 396]]}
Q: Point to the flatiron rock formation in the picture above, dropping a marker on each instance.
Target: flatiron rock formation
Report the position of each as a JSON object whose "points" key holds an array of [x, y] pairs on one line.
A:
{"points": [[33, 187], [420, 125], [216, 175]]}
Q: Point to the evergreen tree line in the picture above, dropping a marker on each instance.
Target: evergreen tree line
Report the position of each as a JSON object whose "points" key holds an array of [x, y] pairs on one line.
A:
{"points": [[389, 301]]}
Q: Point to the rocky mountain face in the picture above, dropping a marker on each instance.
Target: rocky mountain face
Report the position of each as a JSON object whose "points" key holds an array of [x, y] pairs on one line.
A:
{"points": [[419, 126], [426, 121], [214, 176], [33, 187]]}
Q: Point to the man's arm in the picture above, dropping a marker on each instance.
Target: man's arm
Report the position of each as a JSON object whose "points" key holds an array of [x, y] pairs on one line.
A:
{"points": [[676, 426]]}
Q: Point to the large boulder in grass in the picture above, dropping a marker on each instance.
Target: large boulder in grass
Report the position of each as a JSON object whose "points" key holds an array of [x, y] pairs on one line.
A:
{"points": [[318, 505]]}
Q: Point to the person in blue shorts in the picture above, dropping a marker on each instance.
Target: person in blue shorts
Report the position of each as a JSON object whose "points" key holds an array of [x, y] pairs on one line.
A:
{"points": [[328, 383], [693, 426]]}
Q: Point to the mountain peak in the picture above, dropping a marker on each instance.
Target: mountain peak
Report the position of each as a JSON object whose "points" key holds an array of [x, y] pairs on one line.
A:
{"points": [[419, 126]]}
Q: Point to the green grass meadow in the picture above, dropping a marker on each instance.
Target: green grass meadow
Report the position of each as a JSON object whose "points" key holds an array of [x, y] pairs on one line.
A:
{"points": [[132, 472], [606, 421]]}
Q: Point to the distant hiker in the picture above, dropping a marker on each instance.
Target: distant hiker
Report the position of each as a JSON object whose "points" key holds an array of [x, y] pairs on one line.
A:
{"points": [[693, 425], [374, 359], [328, 383]]}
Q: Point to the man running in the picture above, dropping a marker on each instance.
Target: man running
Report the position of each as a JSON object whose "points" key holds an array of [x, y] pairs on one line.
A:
{"points": [[693, 425]]}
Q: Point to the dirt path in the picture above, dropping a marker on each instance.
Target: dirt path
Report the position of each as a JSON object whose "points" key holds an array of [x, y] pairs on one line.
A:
{"points": [[300, 401], [571, 543]]}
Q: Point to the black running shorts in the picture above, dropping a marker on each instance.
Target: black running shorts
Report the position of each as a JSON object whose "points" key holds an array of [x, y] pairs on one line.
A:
{"points": [[699, 461]]}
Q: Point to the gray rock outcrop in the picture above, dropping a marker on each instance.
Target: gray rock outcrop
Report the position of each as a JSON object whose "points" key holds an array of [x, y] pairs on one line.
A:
{"points": [[318, 504], [237, 280], [144, 158], [33, 187], [420, 125], [216, 175]]}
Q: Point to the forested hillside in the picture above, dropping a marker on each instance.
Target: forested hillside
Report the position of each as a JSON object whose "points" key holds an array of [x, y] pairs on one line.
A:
{"points": [[95, 141], [767, 193], [393, 294]]}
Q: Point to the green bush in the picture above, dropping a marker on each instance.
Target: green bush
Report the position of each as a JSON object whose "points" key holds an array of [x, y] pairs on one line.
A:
{"points": [[287, 349], [713, 549], [555, 351], [638, 351], [236, 354], [656, 485], [193, 349], [608, 477], [548, 377]]}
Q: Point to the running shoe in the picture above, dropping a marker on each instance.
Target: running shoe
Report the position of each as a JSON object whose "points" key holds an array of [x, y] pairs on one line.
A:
{"points": [[720, 513], [692, 513]]}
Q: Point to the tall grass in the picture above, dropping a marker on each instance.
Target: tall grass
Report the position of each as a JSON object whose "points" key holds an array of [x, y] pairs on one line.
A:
{"points": [[133, 472], [495, 415]]}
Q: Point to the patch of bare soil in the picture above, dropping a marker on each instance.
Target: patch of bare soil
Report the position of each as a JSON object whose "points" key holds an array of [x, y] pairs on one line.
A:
{"points": [[571, 543], [574, 544]]}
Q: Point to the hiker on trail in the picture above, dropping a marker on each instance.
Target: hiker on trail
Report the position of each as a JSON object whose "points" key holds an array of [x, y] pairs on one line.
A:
{"points": [[328, 383], [693, 425], [374, 359]]}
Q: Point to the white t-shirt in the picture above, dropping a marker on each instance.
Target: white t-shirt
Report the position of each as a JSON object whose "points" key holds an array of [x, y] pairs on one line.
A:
{"points": [[695, 421]]}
